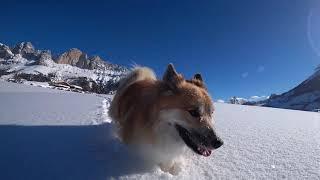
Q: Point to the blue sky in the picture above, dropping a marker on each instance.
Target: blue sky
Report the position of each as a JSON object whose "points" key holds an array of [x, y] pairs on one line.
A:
{"points": [[242, 48]]}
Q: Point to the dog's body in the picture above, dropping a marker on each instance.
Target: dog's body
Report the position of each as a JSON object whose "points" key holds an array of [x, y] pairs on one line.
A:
{"points": [[161, 116]]}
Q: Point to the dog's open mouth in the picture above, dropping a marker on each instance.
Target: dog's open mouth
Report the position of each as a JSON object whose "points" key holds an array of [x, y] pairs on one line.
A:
{"points": [[195, 141]]}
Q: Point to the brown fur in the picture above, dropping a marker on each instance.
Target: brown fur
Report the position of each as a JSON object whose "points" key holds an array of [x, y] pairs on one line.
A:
{"points": [[137, 105]]}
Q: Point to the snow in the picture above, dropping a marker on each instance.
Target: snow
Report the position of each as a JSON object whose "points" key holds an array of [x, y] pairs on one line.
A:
{"points": [[257, 98], [252, 99], [42, 106], [220, 101], [51, 134], [61, 71]]}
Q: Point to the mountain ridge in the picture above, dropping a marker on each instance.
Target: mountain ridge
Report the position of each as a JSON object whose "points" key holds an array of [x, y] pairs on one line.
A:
{"points": [[305, 96], [23, 62]]}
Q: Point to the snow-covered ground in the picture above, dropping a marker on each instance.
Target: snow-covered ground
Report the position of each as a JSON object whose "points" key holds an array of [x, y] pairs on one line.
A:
{"points": [[51, 134]]}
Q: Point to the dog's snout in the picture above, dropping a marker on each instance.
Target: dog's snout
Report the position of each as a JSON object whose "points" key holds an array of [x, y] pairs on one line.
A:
{"points": [[217, 143]]}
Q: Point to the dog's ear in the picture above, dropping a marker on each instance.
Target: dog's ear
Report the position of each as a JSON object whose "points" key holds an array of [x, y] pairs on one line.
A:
{"points": [[198, 81], [198, 77], [171, 77]]}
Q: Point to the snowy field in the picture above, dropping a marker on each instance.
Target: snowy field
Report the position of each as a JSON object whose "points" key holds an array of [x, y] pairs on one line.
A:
{"points": [[52, 134]]}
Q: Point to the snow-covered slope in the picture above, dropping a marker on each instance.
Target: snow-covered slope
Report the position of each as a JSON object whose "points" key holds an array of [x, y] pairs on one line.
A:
{"points": [[50, 134], [305, 96]]}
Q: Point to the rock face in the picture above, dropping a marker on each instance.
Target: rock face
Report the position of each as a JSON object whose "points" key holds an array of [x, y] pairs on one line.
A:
{"points": [[45, 58], [77, 58], [5, 52], [73, 57], [96, 62], [91, 74], [237, 100], [26, 50]]}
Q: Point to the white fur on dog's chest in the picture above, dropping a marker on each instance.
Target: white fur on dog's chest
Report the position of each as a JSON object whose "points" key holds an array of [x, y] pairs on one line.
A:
{"points": [[168, 144]]}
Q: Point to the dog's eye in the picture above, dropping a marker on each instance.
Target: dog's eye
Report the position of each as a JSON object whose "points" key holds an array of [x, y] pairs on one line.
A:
{"points": [[194, 113]]}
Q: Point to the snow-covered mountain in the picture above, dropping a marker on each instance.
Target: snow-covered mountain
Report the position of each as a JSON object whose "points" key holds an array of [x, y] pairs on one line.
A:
{"points": [[74, 68], [253, 100], [237, 100], [305, 96], [50, 134]]}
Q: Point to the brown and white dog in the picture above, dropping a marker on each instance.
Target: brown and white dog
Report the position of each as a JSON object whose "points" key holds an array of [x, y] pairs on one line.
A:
{"points": [[162, 116]]}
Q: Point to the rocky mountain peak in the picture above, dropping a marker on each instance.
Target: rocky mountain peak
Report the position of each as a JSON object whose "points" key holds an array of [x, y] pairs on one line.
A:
{"points": [[95, 59], [45, 58], [95, 62], [23, 47], [26, 50], [5, 52], [74, 57]]}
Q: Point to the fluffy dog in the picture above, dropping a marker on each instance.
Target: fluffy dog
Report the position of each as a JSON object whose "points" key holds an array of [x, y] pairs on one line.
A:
{"points": [[162, 116]]}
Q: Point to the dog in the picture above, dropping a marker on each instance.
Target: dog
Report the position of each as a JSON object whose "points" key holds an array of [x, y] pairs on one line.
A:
{"points": [[163, 117]]}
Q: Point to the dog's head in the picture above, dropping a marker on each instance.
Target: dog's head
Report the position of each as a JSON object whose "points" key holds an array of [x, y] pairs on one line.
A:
{"points": [[187, 107]]}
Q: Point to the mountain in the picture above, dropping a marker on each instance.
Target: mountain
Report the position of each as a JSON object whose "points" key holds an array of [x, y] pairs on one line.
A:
{"points": [[237, 100], [73, 69], [305, 96], [77, 58], [253, 100]]}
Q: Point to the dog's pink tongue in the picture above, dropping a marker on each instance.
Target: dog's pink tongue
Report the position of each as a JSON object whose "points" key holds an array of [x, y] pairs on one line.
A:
{"points": [[204, 151]]}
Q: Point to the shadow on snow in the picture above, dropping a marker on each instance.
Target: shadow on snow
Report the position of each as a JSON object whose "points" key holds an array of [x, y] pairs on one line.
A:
{"points": [[64, 152]]}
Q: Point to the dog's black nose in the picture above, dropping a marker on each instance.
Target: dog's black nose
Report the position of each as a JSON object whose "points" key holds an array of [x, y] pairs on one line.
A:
{"points": [[214, 140], [217, 143]]}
